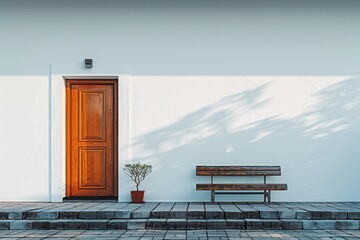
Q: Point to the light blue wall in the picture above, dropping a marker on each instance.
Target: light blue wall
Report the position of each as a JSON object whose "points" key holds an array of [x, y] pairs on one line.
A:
{"points": [[203, 37]]}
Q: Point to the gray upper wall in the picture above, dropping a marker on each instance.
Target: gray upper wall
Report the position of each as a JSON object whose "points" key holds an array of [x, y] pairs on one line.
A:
{"points": [[204, 37]]}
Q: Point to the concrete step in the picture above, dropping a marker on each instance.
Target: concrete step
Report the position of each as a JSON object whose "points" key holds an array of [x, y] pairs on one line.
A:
{"points": [[180, 210], [179, 224], [188, 214]]}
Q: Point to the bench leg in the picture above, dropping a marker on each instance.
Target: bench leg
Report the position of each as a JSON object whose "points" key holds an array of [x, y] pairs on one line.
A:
{"points": [[212, 196], [269, 197], [265, 195]]}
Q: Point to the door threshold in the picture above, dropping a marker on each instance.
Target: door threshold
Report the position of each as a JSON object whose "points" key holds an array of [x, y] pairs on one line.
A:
{"points": [[107, 199]]}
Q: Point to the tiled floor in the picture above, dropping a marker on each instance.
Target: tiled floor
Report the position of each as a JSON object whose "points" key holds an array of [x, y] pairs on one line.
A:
{"points": [[176, 234]]}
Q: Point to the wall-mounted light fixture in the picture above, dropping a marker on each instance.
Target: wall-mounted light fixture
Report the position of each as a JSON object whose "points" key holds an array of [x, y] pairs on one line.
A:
{"points": [[88, 63]]}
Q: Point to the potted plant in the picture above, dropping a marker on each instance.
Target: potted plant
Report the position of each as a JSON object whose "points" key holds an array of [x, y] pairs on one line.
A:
{"points": [[137, 172]]}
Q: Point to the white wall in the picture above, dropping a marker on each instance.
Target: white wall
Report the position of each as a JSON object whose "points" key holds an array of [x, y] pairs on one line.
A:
{"points": [[245, 82], [161, 37], [23, 138], [307, 125]]}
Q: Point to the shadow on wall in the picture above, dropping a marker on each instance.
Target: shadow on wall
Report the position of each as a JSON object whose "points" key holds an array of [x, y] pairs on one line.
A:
{"points": [[320, 146]]}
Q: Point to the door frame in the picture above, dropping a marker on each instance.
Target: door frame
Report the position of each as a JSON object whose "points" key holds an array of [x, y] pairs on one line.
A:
{"points": [[114, 82]]}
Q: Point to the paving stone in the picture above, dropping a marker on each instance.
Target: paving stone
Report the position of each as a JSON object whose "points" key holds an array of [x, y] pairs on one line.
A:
{"points": [[117, 224], [87, 215], [292, 224], [15, 215], [197, 224], [231, 211], [5, 224], [156, 224], [140, 215], [319, 224], [287, 214], [195, 211], [347, 225], [177, 214], [265, 212], [327, 215], [160, 214], [253, 224], [214, 214], [195, 214], [303, 215], [233, 215], [162, 210], [283, 211], [179, 210], [58, 224], [144, 210], [121, 210], [105, 214], [176, 224], [20, 225], [248, 212], [235, 224], [338, 215], [40, 225], [354, 215], [69, 215], [213, 211], [122, 214], [268, 214], [76, 224], [272, 224], [216, 224], [97, 224], [134, 224], [4, 215], [31, 215], [49, 215], [320, 215]]}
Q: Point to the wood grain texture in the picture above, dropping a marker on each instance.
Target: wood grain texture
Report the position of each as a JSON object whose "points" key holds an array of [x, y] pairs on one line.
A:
{"points": [[231, 187], [238, 171], [91, 154]]}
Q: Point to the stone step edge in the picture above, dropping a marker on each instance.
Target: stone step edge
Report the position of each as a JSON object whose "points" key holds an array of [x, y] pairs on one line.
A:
{"points": [[83, 215], [179, 224]]}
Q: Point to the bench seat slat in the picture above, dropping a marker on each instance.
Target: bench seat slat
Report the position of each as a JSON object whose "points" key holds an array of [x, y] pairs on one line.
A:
{"points": [[238, 173], [244, 186], [240, 168]]}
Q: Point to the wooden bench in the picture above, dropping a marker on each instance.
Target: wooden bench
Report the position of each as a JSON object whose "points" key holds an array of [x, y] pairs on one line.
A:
{"points": [[229, 188]]}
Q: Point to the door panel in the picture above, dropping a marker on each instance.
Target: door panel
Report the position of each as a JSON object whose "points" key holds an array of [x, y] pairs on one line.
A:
{"points": [[91, 138], [92, 162], [91, 106]]}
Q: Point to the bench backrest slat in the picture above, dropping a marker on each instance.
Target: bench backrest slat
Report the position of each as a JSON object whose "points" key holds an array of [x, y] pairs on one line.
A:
{"points": [[238, 171]]}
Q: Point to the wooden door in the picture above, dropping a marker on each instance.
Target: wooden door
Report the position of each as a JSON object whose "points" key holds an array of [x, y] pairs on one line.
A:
{"points": [[91, 169]]}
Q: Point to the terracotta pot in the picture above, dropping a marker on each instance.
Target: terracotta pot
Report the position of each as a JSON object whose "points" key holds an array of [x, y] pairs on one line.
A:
{"points": [[137, 196]]}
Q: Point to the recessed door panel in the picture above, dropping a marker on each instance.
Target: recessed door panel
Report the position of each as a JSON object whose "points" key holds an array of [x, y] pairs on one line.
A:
{"points": [[92, 162], [92, 106]]}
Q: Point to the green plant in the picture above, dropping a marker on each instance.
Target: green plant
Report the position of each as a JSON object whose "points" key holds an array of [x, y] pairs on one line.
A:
{"points": [[137, 172]]}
